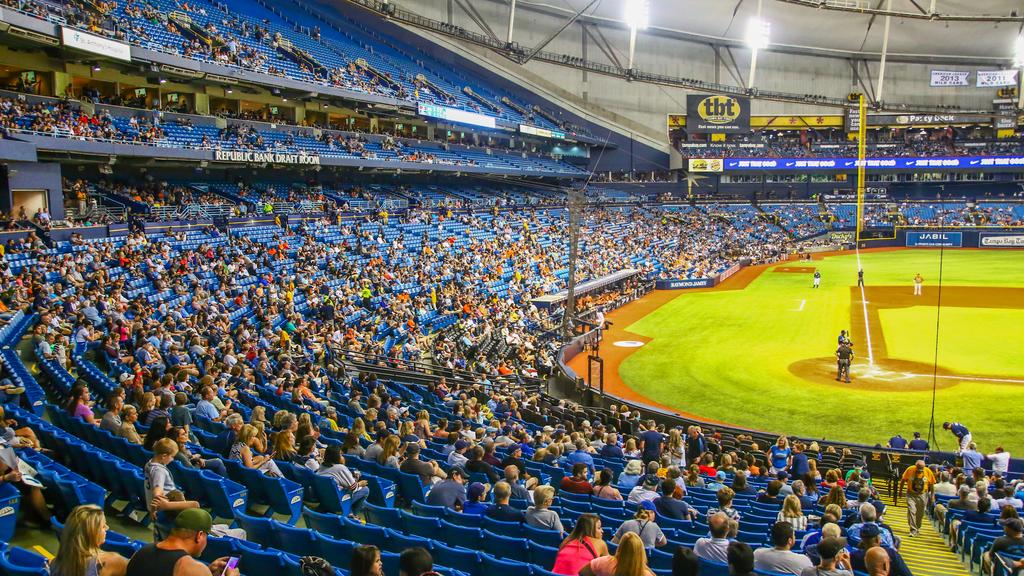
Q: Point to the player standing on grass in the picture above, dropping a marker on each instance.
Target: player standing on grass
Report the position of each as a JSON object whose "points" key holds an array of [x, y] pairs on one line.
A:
{"points": [[918, 281], [844, 355], [817, 277], [860, 278], [963, 435]]}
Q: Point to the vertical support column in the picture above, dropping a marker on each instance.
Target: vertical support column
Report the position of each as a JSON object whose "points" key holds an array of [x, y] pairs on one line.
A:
{"points": [[862, 130], [632, 46], [511, 20], [753, 54], [885, 52]]}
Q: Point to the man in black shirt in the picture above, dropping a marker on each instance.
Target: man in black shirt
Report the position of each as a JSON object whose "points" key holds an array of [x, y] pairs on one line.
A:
{"points": [[1010, 544], [176, 555], [476, 464], [844, 355]]}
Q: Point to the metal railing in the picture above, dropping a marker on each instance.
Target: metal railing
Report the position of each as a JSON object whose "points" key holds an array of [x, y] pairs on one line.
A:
{"points": [[428, 371]]}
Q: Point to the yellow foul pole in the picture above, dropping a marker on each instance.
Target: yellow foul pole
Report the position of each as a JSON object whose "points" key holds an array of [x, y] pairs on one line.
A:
{"points": [[861, 153]]}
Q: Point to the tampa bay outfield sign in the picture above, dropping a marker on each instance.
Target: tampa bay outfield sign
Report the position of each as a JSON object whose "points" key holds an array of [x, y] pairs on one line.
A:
{"points": [[268, 157]]}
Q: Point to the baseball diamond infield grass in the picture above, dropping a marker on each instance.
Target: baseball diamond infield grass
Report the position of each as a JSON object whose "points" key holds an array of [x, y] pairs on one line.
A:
{"points": [[762, 356]]}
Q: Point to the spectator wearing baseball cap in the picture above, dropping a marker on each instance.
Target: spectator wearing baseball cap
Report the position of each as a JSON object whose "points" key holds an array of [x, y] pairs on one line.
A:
{"points": [[476, 493], [457, 457], [644, 526], [1011, 543], [869, 539], [176, 555], [645, 489], [835, 560]]}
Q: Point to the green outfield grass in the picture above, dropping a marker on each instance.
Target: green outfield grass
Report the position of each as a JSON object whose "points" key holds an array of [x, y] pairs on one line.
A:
{"points": [[726, 355]]}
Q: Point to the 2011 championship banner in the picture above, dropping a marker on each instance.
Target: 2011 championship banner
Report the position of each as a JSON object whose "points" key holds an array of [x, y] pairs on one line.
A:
{"points": [[935, 239], [987, 240]]}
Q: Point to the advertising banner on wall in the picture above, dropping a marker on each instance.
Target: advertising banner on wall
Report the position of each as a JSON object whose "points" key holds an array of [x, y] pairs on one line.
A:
{"points": [[972, 162], [261, 157], [705, 164], [717, 114], [949, 78], [935, 239], [682, 284], [1001, 240], [96, 44]]}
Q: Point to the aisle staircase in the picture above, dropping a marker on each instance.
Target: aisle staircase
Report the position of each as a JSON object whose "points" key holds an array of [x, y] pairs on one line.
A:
{"points": [[926, 554]]}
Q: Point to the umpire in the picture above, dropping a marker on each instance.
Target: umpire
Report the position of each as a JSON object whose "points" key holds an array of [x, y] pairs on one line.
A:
{"points": [[844, 355]]}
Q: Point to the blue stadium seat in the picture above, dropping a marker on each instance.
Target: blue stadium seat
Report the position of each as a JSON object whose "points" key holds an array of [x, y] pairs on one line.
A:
{"points": [[365, 533], [462, 559], [382, 516], [496, 567], [298, 541], [465, 536], [420, 525], [542, 555], [20, 562], [259, 530], [546, 537], [327, 524], [261, 563], [420, 509], [336, 551], [504, 546], [712, 568], [510, 529], [397, 542]]}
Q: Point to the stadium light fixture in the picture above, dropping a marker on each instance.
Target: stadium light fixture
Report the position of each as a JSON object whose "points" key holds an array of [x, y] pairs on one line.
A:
{"points": [[163, 80], [1018, 55], [228, 90], [636, 13], [758, 33], [96, 67]]}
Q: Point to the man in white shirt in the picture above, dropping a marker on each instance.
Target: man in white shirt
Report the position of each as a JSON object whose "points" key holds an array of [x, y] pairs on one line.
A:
{"points": [[717, 547], [780, 558], [644, 490], [1000, 461]]}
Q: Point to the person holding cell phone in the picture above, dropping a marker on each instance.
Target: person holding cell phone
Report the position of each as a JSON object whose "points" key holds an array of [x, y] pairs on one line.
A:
{"points": [[176, 554]]}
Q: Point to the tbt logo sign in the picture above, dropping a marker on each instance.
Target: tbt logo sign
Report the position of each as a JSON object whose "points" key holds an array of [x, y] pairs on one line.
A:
{"points": [[719, 109], [717, 114]]}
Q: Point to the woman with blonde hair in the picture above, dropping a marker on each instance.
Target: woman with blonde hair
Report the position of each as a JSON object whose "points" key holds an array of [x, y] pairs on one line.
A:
{"points": [[242, 451], [812, 470], [389, 453], [630, 450], [283, 445], [630, 560], [674, 448], [84, 532], [792, 513], [259, 414], [359, 429]]}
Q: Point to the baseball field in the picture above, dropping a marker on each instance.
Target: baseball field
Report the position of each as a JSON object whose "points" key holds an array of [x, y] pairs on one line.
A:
{"points": [[760, 353]]}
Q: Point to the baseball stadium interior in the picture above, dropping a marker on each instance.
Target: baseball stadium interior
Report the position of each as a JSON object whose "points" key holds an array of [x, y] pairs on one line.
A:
{"points": [[511, 287]]}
